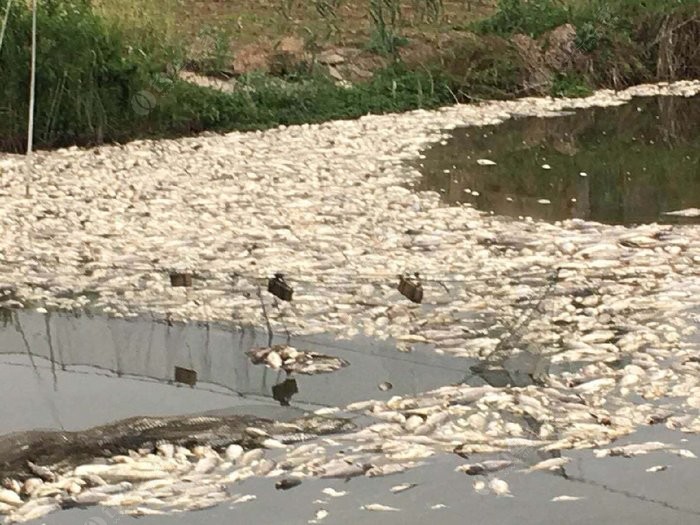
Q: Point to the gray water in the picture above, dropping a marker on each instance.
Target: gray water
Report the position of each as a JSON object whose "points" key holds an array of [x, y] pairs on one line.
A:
{"points": [[614, 490], [81, 371], [641, 160]]}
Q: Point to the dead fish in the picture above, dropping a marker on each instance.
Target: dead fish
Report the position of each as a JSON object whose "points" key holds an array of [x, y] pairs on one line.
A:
{"points": [[485, 467], [252, 455], [566, 498], [205, 465], [244, 499], [479, 486], [499, 487], [657, 468], [233, 452], [321, 514], [485, 162], [386, 470], [287, 483], [548, 464], [438, 506], [31, 485], [41, 472], [684, 453], [396, 489], [334, 493], [378, 507], [346, 471], [10, 497], [628, 451], [12, 484], [385, 386], [30, 512]]}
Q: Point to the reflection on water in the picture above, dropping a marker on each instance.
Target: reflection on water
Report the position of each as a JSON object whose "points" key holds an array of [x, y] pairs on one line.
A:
{"points": [[640, 160], [78, 371]]}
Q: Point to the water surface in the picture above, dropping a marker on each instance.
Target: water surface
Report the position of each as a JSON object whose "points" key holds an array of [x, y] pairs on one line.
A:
{"points": [[640, 160]]}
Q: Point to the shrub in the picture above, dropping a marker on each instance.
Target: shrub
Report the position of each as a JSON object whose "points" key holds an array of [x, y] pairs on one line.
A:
{"points": [[85, 79]]}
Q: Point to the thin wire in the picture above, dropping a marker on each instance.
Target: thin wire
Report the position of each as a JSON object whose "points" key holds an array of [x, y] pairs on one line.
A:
{"points": [[4, 22]]}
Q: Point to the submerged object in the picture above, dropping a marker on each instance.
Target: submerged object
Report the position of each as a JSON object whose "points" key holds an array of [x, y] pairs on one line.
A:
{"points": [[278, 287], [185, 376], [181, 279], [412, 289]]}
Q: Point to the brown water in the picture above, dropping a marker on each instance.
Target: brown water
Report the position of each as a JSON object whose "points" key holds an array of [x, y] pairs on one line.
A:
{"points": [[640, 159]]}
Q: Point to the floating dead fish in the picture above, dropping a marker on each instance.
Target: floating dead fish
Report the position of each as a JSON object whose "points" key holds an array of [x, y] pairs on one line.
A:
{"points": [[385, 386], [564, 497], [287, 483], [485, 467], [396, 489], [438, 506], [549, 464], [632, 450], [687, 212], [485, 162], [244, 499], [292, 360], [42, 472], [499, 487], [684, 453], [321, 514], [10, 497], [334, 493], [657, 468], [233, 452], [345, 470], [378, 507]]}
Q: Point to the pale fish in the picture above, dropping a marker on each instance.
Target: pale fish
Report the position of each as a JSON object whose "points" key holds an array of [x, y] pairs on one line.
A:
{"points": [[566, 498], [396, 489], [499, 487], [321, 514], [329, 491], [657, 468], [378, 507], [549, 464], [10, 497]]}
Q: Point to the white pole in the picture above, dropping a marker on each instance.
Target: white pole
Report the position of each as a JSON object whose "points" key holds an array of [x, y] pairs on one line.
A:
{"points": [[32, 87], [4, 22]]}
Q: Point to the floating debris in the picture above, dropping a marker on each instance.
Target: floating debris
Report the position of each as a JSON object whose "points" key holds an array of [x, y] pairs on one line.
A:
{"points": [[291, 360], [185, 376], [688, 212]]}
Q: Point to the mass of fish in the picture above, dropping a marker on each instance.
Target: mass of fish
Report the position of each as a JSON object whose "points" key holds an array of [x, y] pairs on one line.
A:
{"points": [[330, 207]]}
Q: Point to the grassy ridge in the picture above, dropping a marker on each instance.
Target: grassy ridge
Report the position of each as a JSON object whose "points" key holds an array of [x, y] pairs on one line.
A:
{"points": [[107, 69]]}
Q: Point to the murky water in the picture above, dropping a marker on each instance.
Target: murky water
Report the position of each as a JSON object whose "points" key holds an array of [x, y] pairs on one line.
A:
{"points": [[611, 490], [640, 160], [77, 372]]}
